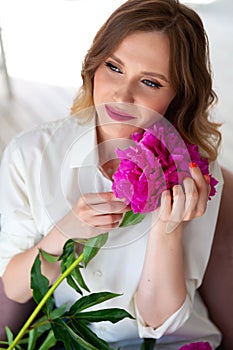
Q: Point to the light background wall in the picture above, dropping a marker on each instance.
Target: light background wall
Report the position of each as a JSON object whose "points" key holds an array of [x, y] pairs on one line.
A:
{"points": [[46, 40]]}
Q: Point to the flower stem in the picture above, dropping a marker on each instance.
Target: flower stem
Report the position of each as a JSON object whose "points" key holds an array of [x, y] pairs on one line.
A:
{"points": [[44, 300]]}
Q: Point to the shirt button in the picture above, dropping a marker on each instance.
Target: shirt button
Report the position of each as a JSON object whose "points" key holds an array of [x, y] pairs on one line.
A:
{"points": [[98, 273]]}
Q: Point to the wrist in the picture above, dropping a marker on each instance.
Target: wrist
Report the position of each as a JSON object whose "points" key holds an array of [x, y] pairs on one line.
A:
{"points": [[167, 229], [53, 242]]}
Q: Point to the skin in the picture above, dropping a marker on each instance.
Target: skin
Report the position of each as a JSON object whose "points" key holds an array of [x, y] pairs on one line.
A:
{"points": [[134, 79]]}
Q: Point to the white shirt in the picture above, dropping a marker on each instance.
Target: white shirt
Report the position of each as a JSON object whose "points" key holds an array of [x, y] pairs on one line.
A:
{"points": [[43, 173]]}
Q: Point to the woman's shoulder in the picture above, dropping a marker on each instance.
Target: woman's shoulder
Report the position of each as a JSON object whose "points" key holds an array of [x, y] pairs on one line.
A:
{"points": [[38, 137], [43, 132], [48, 141]]}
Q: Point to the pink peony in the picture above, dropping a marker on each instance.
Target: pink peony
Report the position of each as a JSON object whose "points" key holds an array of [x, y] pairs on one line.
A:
{"points": [[197, 346], [139, 175], [159, 160]]}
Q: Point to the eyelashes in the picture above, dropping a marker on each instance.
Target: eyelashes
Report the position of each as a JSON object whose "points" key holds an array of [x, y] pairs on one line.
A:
{"points": [[112, 67], [150, 83]]}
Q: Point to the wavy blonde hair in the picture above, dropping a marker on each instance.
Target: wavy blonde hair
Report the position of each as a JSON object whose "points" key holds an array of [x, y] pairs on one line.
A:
{"points": [[190, 71]]}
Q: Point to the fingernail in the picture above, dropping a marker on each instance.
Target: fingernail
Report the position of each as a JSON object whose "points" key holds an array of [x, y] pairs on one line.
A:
{"points": [[193, 165], [207, 178]]}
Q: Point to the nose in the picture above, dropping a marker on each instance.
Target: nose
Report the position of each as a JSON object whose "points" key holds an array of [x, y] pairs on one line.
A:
{"points": [[124, 93]]}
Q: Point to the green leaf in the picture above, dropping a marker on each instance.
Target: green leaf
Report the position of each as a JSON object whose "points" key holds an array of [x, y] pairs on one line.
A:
{"points": [[131, 219], [113, 315], [79, 278], [148, 344], [73, 284], [68, 257], [42, 325], [17, 347], [23, 341], [86, 333], [40, 285], [68, 249], [67, 260], [10, 338], [90, 300], [92, 247], [49, 341], [70, 339], [58, 312], [9, 335], [32, 339], [49, 257]]}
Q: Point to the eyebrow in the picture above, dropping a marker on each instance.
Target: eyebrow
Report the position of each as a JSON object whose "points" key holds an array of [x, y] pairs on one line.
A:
{"points": [[154, 74]]}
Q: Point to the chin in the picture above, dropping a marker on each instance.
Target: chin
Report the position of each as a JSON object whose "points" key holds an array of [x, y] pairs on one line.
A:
{"points": [[123, 130]]}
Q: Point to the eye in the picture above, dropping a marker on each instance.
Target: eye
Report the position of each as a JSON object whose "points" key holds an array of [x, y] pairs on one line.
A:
{"points": [[151, 84], [112, 67]]}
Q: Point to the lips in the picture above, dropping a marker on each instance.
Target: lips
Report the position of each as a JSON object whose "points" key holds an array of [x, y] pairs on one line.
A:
{"points": [[117, 115]]}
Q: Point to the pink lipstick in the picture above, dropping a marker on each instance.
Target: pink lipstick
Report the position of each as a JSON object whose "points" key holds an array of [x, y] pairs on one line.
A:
{"points": [[118, 115]]}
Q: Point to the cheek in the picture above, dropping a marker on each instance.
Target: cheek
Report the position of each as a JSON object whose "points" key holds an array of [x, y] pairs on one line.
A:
{"points": [[161, 104], [100, 87], [96, 88]]}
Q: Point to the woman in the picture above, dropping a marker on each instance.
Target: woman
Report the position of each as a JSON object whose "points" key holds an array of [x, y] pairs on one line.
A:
{"points": [[149, 59]]}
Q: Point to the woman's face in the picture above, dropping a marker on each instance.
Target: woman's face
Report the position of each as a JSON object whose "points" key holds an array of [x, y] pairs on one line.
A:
{"points": [[132, 85]]}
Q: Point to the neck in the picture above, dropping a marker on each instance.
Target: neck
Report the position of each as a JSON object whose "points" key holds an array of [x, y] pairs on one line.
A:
{"points": [[109, 168], [108, 159]]}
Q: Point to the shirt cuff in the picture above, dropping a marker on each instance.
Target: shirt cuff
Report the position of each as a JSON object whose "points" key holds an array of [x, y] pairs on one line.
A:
{"points": [[173, 323]]}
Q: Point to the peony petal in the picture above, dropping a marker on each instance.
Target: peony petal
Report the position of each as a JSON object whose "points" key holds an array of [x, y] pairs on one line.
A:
{"points": [[197, 346], [158, 161]]}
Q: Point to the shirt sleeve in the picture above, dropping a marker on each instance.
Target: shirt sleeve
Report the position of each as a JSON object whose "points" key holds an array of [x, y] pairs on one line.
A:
{"points": [[174, 322], [196, 257], [18, 229]]}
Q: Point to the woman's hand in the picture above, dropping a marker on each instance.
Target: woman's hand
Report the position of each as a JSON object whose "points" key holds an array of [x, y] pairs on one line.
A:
{"points": [[184, 202], [93, 214], [196, 191]]}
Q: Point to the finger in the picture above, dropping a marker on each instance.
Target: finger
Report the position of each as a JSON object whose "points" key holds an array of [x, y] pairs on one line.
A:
{"points": [[202, 188], [102, 203], [178, 208], [191, 198], [107, 219], [165, 206], [100, 197], [110, 207], [207, 179]]}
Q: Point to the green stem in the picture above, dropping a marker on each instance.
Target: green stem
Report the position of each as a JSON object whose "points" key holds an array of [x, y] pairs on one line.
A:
{"points": [[43, 301]]}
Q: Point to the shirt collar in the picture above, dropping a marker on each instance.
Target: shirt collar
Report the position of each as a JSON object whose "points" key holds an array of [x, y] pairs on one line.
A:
{"points": [[84, 151]]}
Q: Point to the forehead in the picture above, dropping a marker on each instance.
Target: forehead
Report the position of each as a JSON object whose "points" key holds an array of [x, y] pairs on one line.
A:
{"points": [[149, 48]]}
